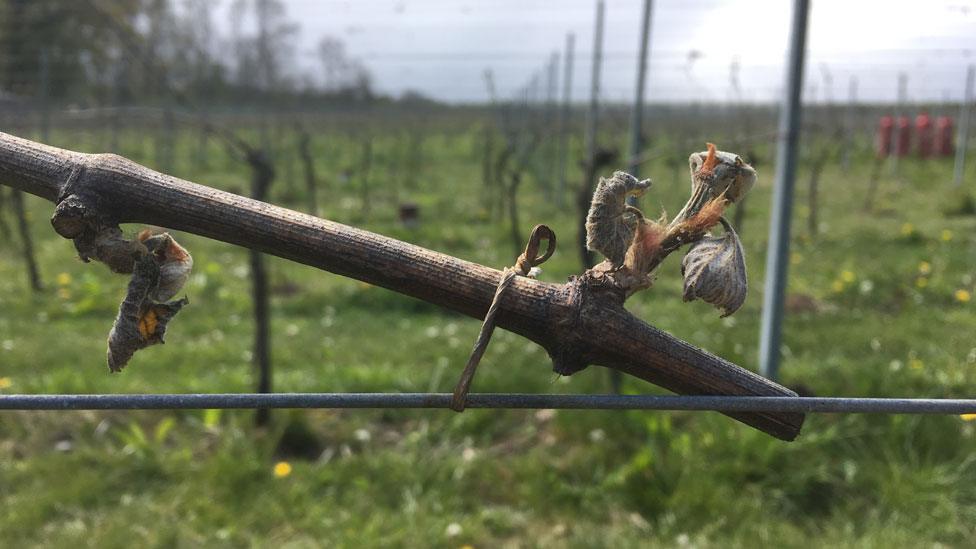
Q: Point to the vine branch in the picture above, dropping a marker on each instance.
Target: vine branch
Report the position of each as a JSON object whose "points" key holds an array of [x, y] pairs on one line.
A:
{"points": [[579, 323]]}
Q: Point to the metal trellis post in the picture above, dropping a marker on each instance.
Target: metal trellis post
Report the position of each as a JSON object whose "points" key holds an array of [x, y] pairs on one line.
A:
{"points": [[850, 127], [899, 112], [777, 250], [636, 137], [563, 118], [637, 115], [552, 108], [45, 84], [964, 114], [594, 111]]}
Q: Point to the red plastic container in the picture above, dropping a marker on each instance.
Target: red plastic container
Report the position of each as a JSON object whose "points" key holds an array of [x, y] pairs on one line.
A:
{"points": [[923, 128]]}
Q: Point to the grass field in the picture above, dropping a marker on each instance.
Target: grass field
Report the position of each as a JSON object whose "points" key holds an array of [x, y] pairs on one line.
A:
{"points": [[880, 305]]}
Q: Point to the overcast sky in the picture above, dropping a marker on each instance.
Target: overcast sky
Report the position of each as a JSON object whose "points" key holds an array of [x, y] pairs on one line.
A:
{"points": [[442, 48]]}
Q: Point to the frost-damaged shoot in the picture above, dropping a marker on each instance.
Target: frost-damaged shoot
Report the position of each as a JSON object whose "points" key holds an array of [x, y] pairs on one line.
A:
{"points": [[158, 264], [160, 269], [634, 246], [714, 269]]}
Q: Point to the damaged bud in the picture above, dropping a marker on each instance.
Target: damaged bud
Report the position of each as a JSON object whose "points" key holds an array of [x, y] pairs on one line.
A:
{"points": [[175, 263], [110, 247], [715, 175], [159, 272], [611, 223], [714, 271]]}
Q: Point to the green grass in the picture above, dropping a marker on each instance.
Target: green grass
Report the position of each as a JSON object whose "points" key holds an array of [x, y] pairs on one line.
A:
{"points": [[860, 324]]}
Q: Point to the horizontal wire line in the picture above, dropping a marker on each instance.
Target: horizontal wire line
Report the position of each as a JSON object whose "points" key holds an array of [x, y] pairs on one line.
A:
{"points": [[489, 400]]}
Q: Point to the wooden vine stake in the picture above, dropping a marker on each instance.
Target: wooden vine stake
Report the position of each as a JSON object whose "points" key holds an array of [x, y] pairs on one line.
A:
{"points": [[579, 323]]}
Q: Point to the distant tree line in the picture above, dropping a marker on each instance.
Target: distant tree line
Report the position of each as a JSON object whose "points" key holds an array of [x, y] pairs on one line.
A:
{"points": [[79, 52]]}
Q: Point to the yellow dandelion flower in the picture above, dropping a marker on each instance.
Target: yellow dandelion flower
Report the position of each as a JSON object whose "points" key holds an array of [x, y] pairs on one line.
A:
{"points": [[924, 267], [963, 296], [64, 279], [796, 258], [467, 546], [847, 276], [968, 417], [282, 469], [916, 364], [837, 286], [946, 235], [921, 282], [5, 382], [907, 229]]}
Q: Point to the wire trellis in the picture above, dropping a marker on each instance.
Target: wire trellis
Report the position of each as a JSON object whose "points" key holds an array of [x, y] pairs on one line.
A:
{"points": [[194, 401]]}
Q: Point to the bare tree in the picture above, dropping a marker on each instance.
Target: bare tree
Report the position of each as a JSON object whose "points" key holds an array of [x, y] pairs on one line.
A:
{"points": [[308, 166], [823, 151], [159, 46], [873, 180], [342, 74], [743, 138], [332, 56], [27, 242], [365, 166], [263, 175], [198, 26], [488, 178], [4, 227], [263, 56]]}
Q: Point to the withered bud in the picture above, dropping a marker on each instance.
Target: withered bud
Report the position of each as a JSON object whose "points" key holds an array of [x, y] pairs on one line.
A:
{"points": [[110, 247], [742, 184], [610, 223], [175, 263], [160, 270], [716, 174], [714, 271]]}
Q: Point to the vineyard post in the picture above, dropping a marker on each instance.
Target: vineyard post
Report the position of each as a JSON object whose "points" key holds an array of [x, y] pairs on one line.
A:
{"points": [[964, 114], [552, 107], [899, 112], [849, 126], [778, 249], [563, 119], [592, 128], [636, 137]]}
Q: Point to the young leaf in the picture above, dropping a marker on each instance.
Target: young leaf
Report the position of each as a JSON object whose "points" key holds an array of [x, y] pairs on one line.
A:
{"points": [[715, 271]]}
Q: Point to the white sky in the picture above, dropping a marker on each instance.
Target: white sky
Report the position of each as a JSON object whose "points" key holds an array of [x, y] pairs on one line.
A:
{"points": [[442, 48]]}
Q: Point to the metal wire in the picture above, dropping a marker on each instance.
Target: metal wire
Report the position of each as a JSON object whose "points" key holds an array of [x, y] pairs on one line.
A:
{"points": [[490, 400]]}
